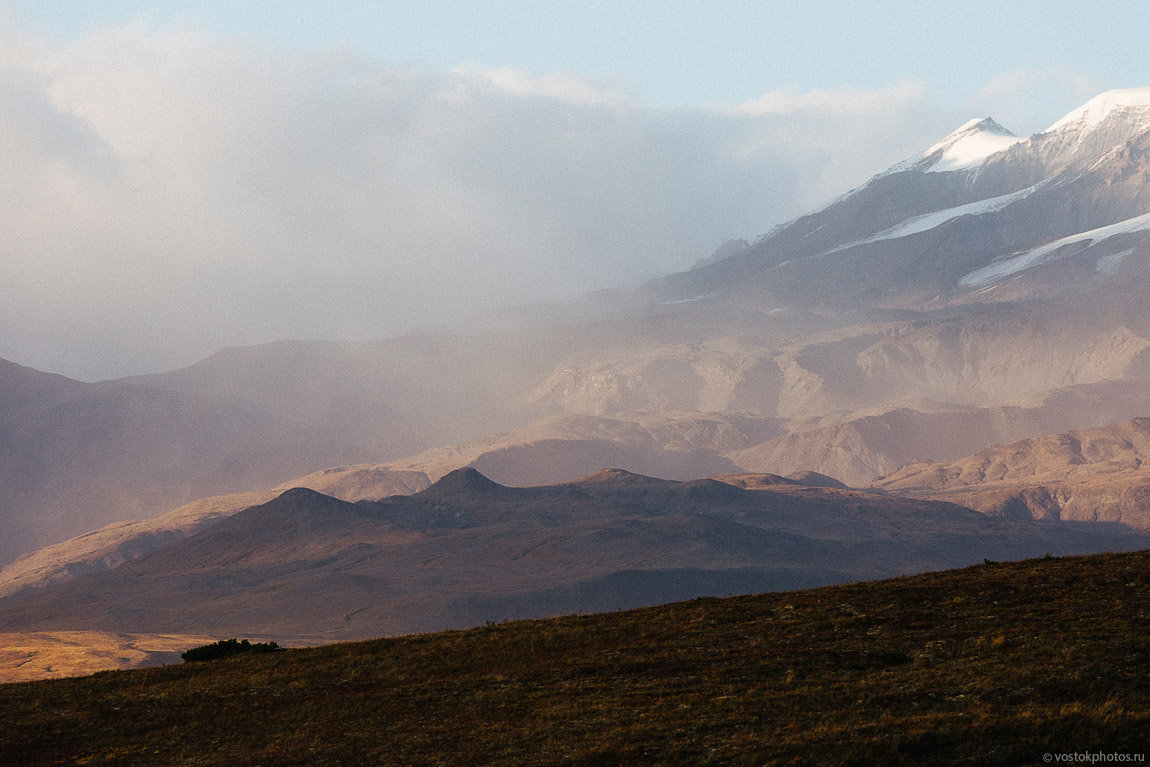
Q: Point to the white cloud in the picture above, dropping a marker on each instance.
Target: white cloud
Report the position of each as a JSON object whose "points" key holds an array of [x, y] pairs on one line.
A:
{"points": [[836, 139], [561, 86], [166, 194], [1028, 100], [835, 102]]}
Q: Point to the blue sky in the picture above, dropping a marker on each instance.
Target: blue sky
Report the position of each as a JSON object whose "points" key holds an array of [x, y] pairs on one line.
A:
{"points": [[681, 53], [177, 177]]}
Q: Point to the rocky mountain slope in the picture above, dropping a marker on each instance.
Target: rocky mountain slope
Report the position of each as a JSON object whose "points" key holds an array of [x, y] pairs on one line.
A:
{"points": [[1092, 475], [974, 211]]}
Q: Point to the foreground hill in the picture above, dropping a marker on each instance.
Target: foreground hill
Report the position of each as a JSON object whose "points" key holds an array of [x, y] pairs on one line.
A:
{"points": [[996, 664], [468, 550], [1092, 475]]}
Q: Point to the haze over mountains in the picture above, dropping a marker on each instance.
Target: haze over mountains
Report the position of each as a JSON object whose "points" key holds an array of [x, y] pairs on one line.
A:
{"points": [[989, 290], [76, 456]]}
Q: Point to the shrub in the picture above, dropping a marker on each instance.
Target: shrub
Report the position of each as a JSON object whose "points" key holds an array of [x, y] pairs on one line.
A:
{"points": [[226, 647]]}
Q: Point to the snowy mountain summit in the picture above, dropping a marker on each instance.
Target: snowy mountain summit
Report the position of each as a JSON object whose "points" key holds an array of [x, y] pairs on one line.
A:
{"points": [[1130, 107], [968, 146], [1094, 131], [981, 213]]}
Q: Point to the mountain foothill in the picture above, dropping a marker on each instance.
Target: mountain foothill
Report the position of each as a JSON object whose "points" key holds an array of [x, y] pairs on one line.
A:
{"points": [[949, 363]]}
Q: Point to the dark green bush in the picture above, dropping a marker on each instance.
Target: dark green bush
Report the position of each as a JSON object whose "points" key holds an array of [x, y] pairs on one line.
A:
{"points": [[226, 647]]}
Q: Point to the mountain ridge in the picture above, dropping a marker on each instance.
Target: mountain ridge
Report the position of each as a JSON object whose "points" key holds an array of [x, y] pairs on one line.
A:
{"points": [[309, 565], [1056, 158]]}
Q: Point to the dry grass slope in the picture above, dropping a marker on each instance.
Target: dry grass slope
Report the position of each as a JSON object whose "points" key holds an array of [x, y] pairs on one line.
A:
{"points": [[993, 664]]}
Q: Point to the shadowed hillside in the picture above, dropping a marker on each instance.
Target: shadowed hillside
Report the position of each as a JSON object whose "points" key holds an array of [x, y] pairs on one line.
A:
{"points": [[468, 550]]}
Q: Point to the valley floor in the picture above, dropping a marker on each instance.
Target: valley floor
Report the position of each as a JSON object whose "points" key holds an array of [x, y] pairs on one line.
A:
{"points": [[992, 664]]}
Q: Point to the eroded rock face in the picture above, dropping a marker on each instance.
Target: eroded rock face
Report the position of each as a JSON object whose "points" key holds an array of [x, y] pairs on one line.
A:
{"points": [[979, 362], [1093, 475], [721, 376]]}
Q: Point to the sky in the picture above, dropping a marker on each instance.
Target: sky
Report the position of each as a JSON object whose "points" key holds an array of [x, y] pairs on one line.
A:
{"points": [[178, 177]]}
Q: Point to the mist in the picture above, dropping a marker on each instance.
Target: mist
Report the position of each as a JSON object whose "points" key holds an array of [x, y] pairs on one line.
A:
{"points": [[165, 194]]}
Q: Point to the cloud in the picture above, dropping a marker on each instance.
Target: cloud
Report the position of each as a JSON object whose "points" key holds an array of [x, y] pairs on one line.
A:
{"points": [[166, 193], [837, 138], [1029, 100], [561, 86], [836, 102]]}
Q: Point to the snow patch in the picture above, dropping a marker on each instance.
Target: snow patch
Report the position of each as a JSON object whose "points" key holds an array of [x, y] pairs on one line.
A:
{"points": [[690, 300], [1110, 264], [1031, 258], [938, 218]]}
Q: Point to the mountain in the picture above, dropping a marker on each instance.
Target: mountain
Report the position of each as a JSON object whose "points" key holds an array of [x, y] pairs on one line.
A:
{"points": [[977, 211], [988, 273], [670, 445], [864, 445], [990, 289], [468, 550], [392, 398], [1092, 475], [679, 444]]}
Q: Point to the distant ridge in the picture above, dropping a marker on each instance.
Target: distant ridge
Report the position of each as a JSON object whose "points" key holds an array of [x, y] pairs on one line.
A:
{"points": [[468, 550], [77, 456], [1091, 475], [466, 481], [815, 479], [618, 477]]}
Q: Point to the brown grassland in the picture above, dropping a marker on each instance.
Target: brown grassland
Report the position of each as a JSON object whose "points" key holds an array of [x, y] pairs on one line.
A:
{"points": [[995, 664]]}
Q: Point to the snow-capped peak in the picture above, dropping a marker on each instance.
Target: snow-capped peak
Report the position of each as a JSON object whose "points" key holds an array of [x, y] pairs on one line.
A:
{"points": [[967, 147], [971, 128], [970, 145], [1130, 103]]}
